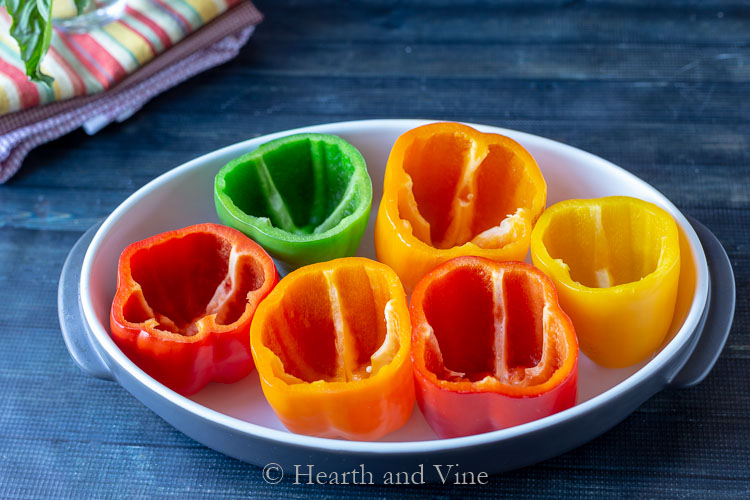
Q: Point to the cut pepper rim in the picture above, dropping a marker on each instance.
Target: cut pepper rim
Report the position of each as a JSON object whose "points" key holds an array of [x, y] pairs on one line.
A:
{"points": [[359, 180], [263, 355], [397, 177], [669, 251], [127, 284], [565, 370]]}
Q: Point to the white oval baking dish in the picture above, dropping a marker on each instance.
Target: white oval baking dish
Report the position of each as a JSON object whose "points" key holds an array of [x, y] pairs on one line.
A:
{"points": [[236, 420]]}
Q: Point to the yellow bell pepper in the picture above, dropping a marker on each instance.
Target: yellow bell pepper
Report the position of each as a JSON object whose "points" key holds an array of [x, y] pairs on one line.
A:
{"points": [[616, 264]]}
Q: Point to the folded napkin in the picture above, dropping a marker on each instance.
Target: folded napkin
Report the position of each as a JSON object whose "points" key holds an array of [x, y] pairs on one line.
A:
{"points": [[109, 73]]}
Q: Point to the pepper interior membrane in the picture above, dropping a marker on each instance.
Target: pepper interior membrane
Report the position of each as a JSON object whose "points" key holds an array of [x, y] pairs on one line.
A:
{"points": [[335, 326], [492, 328], [450, 191], [185, 279], [616, 264], [605, 245], [302, 185], [478, 187], [331, 344], [185, 301]]}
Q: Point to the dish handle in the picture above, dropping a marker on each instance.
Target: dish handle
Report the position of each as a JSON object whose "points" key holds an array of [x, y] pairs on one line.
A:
{"points": [[719, 312], [74, 330]]}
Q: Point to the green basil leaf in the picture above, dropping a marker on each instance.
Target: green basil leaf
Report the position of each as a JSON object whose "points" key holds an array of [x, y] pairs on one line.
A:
{"points": [[80, 5], [32, 29]]}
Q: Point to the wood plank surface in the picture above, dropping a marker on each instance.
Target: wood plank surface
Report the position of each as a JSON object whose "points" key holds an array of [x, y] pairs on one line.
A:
{"points": [[659, 88]]}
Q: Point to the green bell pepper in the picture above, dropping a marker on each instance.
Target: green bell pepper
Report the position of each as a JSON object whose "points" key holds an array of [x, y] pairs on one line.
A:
{"points": [[305, 198]]}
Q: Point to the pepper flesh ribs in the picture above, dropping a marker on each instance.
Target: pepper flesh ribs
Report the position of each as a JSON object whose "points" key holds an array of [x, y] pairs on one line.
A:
{"points": [[184, 303], [450, 190], [616, 264], [305, 197], [331, 344], [491, 347]]}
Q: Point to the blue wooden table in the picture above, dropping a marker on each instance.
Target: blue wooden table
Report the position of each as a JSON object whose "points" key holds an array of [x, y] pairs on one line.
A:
{"points": [[662, 91]]}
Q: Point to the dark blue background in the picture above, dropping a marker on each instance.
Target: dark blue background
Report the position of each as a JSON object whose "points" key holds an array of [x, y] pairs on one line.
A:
{"points": [[662, 91]]}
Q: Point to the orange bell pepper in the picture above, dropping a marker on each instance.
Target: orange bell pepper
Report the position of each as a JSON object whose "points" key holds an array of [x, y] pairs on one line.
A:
{"points": [[450, 190], [184, 303], [331, 344], [616, 264], [491, 347]]}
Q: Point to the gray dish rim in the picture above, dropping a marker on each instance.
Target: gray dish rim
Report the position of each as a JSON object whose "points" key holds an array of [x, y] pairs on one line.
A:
{"points": [[102, 341]]}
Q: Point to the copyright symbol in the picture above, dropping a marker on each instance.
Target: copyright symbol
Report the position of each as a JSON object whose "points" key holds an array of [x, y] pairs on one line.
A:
{"points": [[273, 473]]}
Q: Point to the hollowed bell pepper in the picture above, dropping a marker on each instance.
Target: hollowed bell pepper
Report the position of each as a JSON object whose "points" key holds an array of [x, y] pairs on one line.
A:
{"points": [[616, 264], [450, 190], [305, 198], [331, 344], [491, 347], [184, 303]]}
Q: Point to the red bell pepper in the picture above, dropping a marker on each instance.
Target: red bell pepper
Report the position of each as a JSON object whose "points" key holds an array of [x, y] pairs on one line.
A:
{"points": [[184, 303], [491, 347]]}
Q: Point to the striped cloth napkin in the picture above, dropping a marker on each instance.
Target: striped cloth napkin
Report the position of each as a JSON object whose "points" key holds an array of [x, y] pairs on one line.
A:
{"points": [[108, 73]]}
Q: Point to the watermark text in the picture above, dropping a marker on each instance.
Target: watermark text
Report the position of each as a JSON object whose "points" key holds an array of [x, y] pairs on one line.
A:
{"points": [[310, 474]]}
